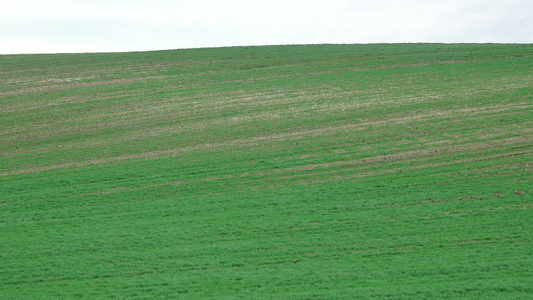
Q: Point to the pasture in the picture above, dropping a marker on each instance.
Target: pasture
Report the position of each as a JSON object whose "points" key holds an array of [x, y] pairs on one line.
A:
{"points": [[294, 172]]}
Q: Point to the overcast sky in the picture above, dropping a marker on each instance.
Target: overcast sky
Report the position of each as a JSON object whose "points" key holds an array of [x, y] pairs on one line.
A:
{"points": [[59, 26]]}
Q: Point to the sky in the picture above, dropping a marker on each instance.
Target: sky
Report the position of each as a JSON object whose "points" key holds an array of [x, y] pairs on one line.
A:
{"points": [[60, 26]]}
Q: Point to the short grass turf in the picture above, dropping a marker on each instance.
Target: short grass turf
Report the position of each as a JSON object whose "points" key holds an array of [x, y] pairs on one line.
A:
{"points": [[297, 172]]}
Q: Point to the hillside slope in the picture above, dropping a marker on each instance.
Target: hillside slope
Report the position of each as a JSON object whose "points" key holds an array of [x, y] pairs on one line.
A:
{"points": [[319, 171]]}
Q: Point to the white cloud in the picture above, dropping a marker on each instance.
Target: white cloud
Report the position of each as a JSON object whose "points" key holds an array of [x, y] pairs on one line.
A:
{"points": [[32, 26]]}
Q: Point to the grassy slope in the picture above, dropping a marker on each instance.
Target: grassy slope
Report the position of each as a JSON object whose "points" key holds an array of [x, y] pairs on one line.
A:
{"points": [[288, 171]]}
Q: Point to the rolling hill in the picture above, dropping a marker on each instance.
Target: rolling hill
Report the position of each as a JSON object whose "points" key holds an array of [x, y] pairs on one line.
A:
{"points": [[305, 171]]}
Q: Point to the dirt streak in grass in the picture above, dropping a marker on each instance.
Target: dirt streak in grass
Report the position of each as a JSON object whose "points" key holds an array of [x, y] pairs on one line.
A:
{"points": [[280, 137], [364, 170], [56, 87], [405, 155], [141, 111], [365, 165], [144, 112], [236, 142], [311, 178], [156, 131]]}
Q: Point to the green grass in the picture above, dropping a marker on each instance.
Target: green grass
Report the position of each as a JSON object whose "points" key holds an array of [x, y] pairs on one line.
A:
{"points": [[294, 172]]}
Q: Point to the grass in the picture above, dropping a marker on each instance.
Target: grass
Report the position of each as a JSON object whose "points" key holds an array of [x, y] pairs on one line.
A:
{"points": [[318, 171]]}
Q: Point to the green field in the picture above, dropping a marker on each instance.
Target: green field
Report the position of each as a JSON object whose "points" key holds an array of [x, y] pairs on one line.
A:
{"points": [[275, 172]]}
